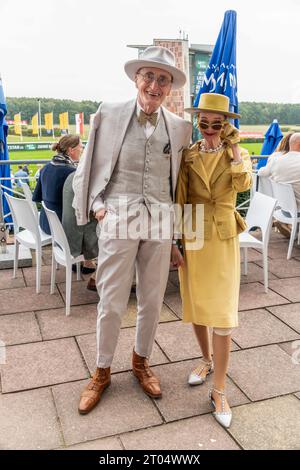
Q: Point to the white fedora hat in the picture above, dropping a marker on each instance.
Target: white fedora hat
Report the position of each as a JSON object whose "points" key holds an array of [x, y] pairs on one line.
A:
{"points": [[158, 57]]}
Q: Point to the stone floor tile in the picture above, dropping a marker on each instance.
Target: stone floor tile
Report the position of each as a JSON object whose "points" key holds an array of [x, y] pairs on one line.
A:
{"points": [[178, 341], [171, 288], [29, 421], [19, 328], [29, 275], [41, 364], [283, 268], [292, 348], [107, 443], [173, 301], [256, 372], [55, 323], [288, 288], [123, 354], [289, 314], [123, 407], [173, 277], [255, 274], [268, 425], [259, 327], [47, 257], [253, 255], [254, 296], [79, 295], [25, 299], [129, 318], [7, 281], [276, 237], [199, 433], [297, 395], [181, 400], [279, 250]]}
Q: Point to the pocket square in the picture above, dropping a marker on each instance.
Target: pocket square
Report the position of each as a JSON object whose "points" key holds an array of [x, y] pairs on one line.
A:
{"points": [[167, 148]]}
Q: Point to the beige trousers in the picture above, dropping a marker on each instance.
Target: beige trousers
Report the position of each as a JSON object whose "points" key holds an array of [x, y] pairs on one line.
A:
{"points": [[117, 262]]}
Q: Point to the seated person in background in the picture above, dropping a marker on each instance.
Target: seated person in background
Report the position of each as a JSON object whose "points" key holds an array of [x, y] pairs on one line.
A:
{"points": [[37, 173], [282, 149], [50, 184], [21, 174], [25, 168], [287, 170], [82, 239]]}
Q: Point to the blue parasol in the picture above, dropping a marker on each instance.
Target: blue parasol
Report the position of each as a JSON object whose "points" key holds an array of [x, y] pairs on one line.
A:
{"points": [[220, 76], [272, 138], [4, 169]]}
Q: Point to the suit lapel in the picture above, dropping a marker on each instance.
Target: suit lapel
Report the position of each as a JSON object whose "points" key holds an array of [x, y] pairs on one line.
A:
{"points": [[174, 136], [123, 120], [198, 167]]}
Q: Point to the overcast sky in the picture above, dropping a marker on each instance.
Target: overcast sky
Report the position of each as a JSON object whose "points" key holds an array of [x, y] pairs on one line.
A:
{"points": [[77, 48]]}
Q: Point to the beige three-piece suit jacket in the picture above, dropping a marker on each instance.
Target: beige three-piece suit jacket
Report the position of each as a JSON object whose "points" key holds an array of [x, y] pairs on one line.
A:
{"points": [[103, 147]]}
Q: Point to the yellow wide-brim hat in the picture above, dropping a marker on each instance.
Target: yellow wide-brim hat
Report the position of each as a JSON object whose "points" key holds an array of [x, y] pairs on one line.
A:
{"points": [[213, 103]]}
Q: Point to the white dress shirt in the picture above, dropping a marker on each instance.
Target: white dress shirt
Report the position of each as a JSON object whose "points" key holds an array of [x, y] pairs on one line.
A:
{"points": [[148, 128]]}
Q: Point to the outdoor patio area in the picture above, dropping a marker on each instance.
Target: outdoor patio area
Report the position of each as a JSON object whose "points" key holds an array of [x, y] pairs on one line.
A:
{"points": [[50, 357]]}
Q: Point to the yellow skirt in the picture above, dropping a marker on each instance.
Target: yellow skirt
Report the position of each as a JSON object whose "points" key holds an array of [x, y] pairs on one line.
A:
{"points": [[210, 283]]}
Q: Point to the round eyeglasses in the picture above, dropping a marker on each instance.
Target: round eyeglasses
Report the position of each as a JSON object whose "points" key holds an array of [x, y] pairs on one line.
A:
{"points": [[149, 77]]}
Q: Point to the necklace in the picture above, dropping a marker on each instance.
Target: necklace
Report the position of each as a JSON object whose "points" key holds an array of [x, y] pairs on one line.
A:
{"points": [[211, 150]]}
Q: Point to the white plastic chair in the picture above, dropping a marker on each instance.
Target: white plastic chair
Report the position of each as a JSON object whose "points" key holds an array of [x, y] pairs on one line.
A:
{"points": [[28, 196], [265, 186], [259, 215], [285, 195], [61, 254], [254, 184], [32, 236]]}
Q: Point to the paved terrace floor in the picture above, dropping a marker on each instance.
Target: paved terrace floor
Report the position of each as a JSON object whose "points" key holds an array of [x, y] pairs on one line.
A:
{"points": [[50, 357]]}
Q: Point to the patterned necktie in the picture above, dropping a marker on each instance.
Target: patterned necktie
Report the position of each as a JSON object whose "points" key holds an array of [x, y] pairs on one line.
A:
{"points": [[143, 118]]}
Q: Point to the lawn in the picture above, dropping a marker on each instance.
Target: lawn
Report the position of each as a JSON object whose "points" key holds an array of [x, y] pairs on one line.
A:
{"points": [[253, 149], [29, 155]]}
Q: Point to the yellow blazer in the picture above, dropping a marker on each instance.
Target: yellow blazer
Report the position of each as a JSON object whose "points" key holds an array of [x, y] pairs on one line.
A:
{"points": [[219, 194]]}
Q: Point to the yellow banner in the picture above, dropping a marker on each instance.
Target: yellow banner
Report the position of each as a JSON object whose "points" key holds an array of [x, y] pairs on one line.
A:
{"points": [[49, 121], [64, 121], [17, 120], [35, 124]]}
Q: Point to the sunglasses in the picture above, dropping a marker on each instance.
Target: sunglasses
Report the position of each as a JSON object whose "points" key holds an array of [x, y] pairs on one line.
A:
{"points": [[216, 126]]}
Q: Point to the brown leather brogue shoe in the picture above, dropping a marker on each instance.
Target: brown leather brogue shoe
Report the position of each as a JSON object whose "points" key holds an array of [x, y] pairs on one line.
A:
{"points": [[91, 285], [148, 380], [92, 393]]}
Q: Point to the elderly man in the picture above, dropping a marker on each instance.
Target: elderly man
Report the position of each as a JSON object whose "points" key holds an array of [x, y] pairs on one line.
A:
{"points": [[130, 165]]}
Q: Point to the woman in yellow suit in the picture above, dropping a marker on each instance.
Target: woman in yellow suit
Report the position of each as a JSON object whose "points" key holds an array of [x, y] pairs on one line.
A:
{"points": [[212, 172]]}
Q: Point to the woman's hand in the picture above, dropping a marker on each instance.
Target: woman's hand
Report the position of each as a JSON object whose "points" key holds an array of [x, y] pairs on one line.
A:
{"points": [[176, 257], [99, 215], [230, 134]]}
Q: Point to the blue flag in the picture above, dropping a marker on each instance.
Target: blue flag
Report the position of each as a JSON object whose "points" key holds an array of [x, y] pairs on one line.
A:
{"points": [[220, 76], [4, 169]]}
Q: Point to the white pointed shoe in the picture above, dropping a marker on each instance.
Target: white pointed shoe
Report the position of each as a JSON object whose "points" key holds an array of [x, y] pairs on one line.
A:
{"points": [[195, 377], [223, 417]]}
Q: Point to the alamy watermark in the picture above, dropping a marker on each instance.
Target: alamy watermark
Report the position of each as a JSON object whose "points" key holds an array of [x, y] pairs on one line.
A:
{"points": [[296, 353], [2, 352], [138, 220]]}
